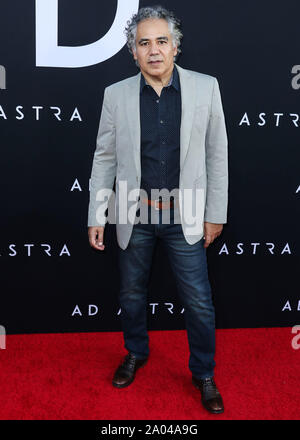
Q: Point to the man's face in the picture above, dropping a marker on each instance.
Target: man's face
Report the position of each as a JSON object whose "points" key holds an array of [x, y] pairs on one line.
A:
{"points": [[154, 48]]}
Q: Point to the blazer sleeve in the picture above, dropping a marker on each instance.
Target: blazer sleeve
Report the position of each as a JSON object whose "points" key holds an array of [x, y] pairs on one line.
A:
{"points": [[216, 156], [104, 165]]}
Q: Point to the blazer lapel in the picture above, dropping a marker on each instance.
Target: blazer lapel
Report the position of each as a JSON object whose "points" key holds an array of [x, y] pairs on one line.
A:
{"points": [[188, 103], [133, 117]]}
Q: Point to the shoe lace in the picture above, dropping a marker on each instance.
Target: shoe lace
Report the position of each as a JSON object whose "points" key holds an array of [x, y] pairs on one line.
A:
{"points": [[129, 362], [209, 388]]}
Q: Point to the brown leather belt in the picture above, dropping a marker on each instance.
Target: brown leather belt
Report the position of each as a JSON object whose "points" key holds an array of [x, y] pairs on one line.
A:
{"points": [[158, 204]]}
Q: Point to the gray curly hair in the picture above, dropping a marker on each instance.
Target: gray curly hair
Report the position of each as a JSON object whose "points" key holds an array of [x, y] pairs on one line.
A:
{"points": [[151, 12]]}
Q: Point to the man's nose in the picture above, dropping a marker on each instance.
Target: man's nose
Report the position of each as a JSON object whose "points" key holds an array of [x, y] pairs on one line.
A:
{"points": [[154, 49]]}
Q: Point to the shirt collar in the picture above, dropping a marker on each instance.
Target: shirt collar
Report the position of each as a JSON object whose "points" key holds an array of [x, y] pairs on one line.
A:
{"points": [[174, 80]]}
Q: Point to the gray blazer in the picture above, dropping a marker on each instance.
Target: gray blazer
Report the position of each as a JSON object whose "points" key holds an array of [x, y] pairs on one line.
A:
{"points": [[203, 153]]}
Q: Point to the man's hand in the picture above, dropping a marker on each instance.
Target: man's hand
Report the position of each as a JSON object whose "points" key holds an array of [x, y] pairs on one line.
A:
{"points": [[96, 234], [211, 231]]}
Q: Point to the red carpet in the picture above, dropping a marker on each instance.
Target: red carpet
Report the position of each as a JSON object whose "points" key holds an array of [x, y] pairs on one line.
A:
{"points": [[68, 377]]}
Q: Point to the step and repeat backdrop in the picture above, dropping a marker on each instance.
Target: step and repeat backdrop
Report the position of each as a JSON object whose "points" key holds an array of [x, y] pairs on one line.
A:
{"points": [[56, 58]]}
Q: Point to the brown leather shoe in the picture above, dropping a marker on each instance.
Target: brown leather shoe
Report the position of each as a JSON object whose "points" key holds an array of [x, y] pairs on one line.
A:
{"points": [[210, 396], [125, 373]]}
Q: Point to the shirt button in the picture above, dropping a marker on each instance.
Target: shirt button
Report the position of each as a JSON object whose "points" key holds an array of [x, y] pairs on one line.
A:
{"points": [[161, 122], [163, 142], [162, 162], [157, 101]]}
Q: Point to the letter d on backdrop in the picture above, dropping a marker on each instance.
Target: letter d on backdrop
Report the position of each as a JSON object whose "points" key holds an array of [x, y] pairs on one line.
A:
{"points": [[49, 54]]}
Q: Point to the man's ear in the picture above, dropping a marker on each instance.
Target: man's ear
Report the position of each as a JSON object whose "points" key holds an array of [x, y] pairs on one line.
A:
{"points": [[134, 54]]}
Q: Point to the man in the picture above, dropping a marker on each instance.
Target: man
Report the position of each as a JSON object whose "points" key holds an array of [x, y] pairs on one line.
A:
{"points": [[163, 129]]}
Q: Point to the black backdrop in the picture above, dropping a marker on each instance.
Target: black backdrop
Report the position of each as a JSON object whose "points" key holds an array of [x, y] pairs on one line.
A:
{"points": [[51, 280]]}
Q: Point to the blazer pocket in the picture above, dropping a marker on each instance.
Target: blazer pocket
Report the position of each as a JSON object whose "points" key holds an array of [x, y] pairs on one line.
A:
{"points": [[201, 107]]}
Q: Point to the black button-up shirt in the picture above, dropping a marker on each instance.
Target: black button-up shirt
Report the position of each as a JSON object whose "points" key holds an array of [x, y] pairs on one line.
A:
{"points": [[160, 118]]}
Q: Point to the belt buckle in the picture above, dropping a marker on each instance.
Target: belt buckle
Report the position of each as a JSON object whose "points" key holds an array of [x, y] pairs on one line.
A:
{"points": [[156, 204]]}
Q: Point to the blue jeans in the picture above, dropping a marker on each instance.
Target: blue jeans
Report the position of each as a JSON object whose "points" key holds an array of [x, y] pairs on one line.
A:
{"points": [[188, 263]]}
